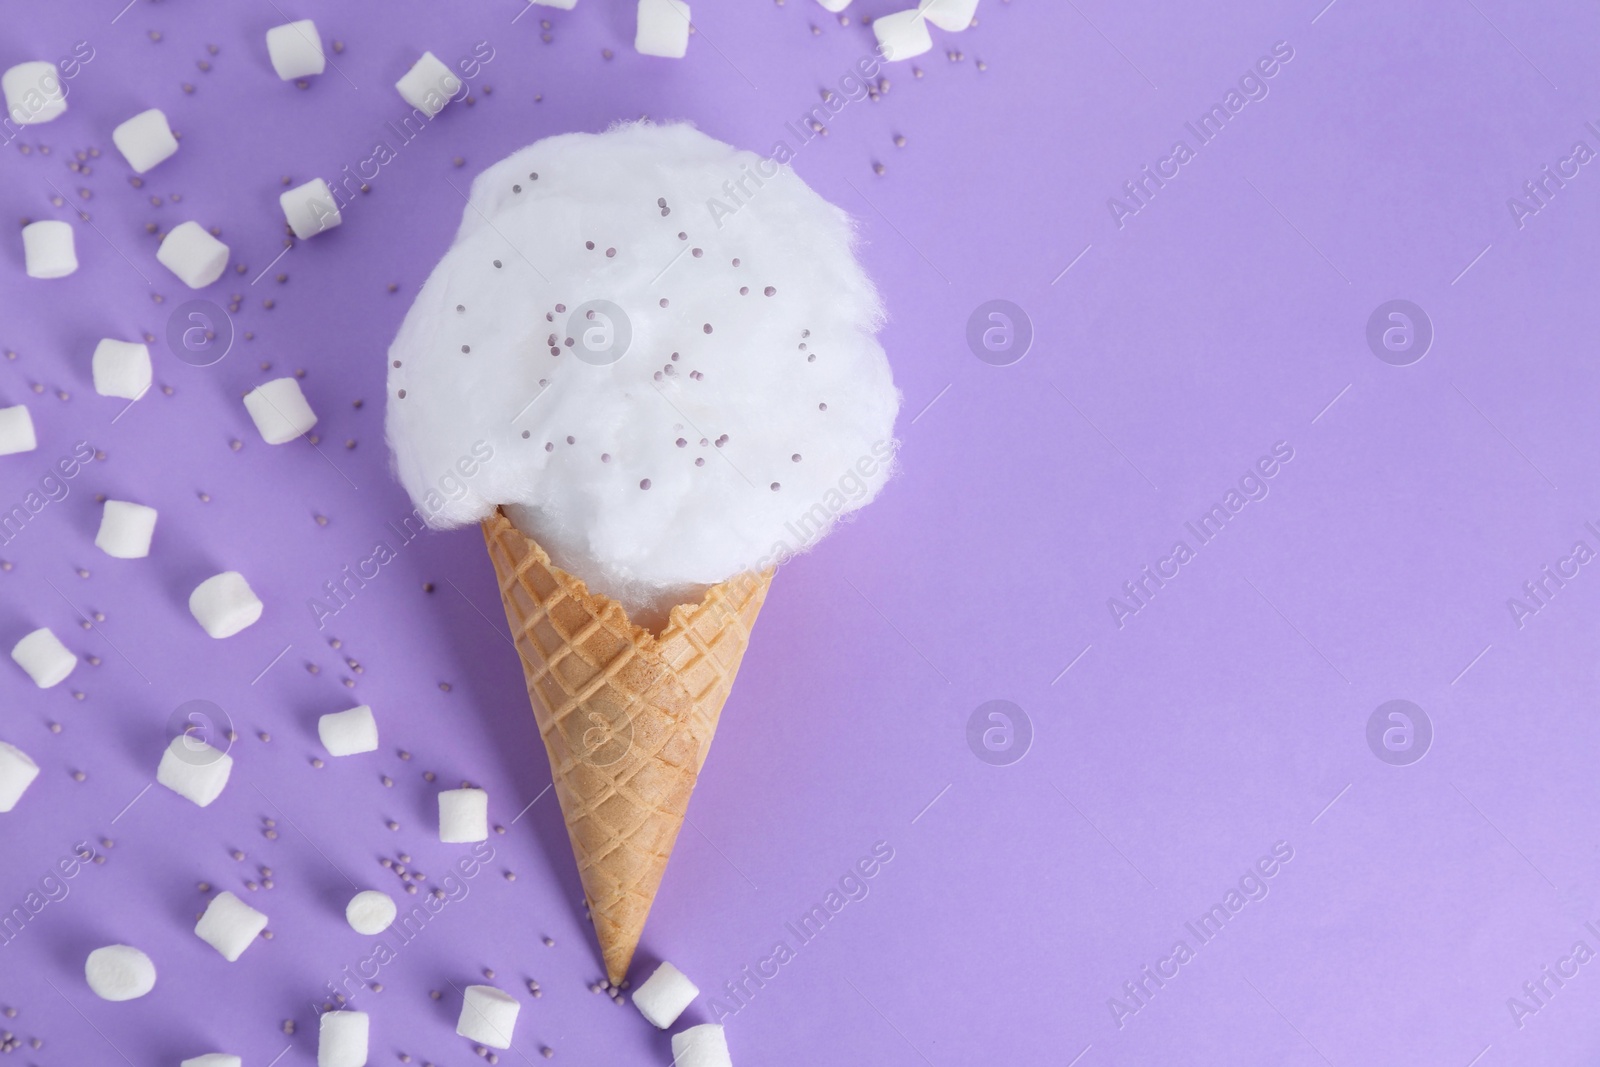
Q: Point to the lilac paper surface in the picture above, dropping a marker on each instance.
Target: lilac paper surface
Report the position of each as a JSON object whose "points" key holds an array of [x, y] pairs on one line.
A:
{"points": [[1179, 336]]}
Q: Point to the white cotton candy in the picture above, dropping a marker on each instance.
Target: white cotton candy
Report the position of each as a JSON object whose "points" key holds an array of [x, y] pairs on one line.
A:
{"points": [[662, 29], [17, 772], [229, 925], [488, 1016], [34, 93], [664, 995], [902, 35], [279, 410], [213, 1059], [701, 1046], [121, 369], [428, 85], [119, 972], [346, 733], [370, 912], [125, 529], [342, 1039], [48, 249], [752, 384], [194, 770], [463, 816], [145, 139], [190, 252], [224, 604], [16, 431], [44, 657], [296, 50], [951, 15], [310, 208]]}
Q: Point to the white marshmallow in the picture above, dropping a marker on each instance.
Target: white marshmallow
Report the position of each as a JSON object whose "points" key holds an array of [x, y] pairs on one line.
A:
{"points": [[224, 604], [16, 431], [835, 6], [119, 972], [951, 15], [428, 85], [663, 28], [280, 410], [48, 249], [125, 530], [370, 912], [345, 733], [565, 5], [488, 1016], [17, 773], [310, 208], [701, 1046], [342, 1039], [121, 368], [193, 769], [463, 816], [229, 925], [296, 50], [190, 252], [34, 93], [902, 35], [44, 657], [213, 1059], [145, 140], [664, 995]]}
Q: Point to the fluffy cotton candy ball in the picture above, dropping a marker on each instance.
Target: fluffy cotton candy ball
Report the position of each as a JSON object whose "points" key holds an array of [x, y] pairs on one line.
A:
{"points": [[951, 15], [342, 1039], [644, 474], [370, 912], [224, 604], [280, 410], [34, 93], [190, 252], [213, 1059], [310, 208], [121, 369], [229, 925], [428, 85], [664, 995], [16, 431], [119, 972], [662, 29], [902, 35], [346, 733], [126, 530], [17, 772], [44, 657], [48, 249], [488, 1016], [701, 1046], [296, 50], [194, 770], [145, 140], [463, 816]]}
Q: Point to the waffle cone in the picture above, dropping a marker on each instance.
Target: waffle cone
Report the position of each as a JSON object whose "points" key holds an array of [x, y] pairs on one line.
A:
{"points": [[627, 718]]}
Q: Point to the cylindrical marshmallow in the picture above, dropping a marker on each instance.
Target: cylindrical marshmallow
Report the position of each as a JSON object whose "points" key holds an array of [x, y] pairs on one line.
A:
{"points": [[565, 5], [950, 15], [345, 733], [48, 250], [370, 912], [310, 208], [342, 1039], [145, 139], [664, 995], [902, 35], [17, 773], [229, 925], [701, 1046], [224, 604], [190, 252], [428, 85], [488, 1016], [213, 1059], [663, 29], [280, 410], [16, 431], [463, 816], [834, 6], [119, 972], [121, 369], [125, 530], [296, 50], [44, 657], [193, 769], [34, 93]]}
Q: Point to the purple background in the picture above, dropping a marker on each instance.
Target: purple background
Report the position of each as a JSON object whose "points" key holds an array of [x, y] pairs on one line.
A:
{"points": [[1227, 715]]}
